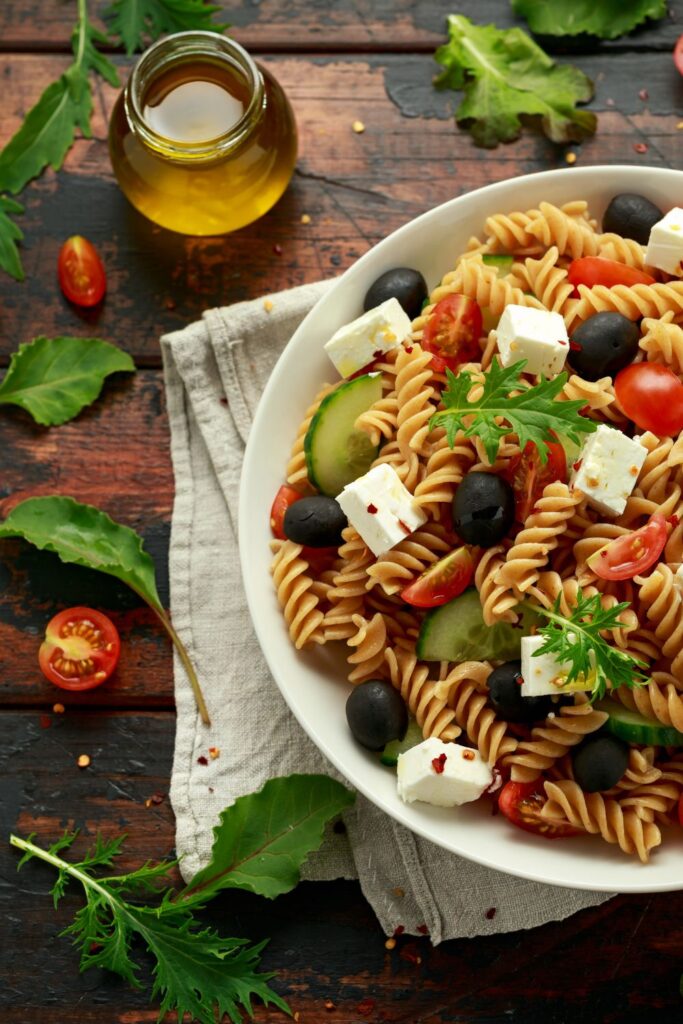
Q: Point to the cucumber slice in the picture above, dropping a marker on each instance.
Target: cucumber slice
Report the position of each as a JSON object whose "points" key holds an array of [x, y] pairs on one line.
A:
{"points": [[335, 452], [457, 632], [413, 736], [635, 728], [500, 260]]}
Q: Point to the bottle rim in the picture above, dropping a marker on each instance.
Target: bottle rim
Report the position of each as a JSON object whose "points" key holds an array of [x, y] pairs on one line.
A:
{"points": [[178, 48]]}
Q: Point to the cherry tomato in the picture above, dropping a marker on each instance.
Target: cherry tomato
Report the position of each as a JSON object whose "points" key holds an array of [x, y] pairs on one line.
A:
{"points": [[452, 332], [632, 554], [442, 581], [318, 559], [521, 803], [678, 54], [528, 475], [592, 270], [80, 271], [80, 650], [652, 396]]}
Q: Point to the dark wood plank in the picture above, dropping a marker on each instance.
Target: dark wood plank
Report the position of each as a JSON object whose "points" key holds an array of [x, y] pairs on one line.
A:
{"points": [[355, 188], [326, 943], [313, 24], [114, 455]]}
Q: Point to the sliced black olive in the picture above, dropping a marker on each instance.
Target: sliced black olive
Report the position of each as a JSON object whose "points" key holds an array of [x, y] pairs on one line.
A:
{"points": [[402, 283], [599, 762], [317, 522], [631, 216], [505, 693], [604, 344], [483, 509], [376, 714]]}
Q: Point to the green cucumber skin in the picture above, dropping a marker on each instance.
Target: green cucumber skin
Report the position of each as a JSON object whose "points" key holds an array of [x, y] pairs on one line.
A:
{"points": [[413, 736], [321, 472], [456, 632], [633, 727], [500, 260]]}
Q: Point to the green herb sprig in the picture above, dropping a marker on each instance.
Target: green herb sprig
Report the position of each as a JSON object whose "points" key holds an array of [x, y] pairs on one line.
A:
{"points": [[533, 414], [197, 971], [577, 643]]}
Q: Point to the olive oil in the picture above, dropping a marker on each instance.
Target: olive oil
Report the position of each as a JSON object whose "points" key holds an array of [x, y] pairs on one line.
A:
{"points": [[202, 141]]}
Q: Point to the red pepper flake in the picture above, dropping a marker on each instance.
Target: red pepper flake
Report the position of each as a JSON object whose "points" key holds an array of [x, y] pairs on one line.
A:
{"points": [[366, 1007], [211, 789], [603, 554], [45, 721], [410, 954], [390, 943], [157, 798], [277, 249], [640, 147], [329, 1005], [224, 401], [577, 465], [406, 529], [58, 709], [490, 914], [202, 760], [372, 509], [408, 348], [673, 520], [519, 679], [585, 411], [170, 304], [399, 930], [214, 752], [468, 755], [643, 95], [575, 346], [438, 763], [561, 341], [423, 929]]}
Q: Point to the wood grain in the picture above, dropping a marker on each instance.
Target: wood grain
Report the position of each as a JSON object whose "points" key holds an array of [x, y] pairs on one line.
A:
{"points": [[355, 188], [326, 944], [379, 25]]}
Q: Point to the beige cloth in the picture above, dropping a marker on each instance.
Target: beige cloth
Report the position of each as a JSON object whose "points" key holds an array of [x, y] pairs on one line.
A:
{"points": [[215, 373]]}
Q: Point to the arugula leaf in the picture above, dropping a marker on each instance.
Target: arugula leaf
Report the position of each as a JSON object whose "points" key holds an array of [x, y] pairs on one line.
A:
{"points": [[505, 75], [607, 19], [49, 128], [533, 414], [54, 378], [197, 971], [263, 839], [577, 643], [10, 234], [84, 535], [134, 21]]}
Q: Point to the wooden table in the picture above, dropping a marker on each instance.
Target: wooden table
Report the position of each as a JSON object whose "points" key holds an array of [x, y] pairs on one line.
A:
{"points": [[338, 61]]}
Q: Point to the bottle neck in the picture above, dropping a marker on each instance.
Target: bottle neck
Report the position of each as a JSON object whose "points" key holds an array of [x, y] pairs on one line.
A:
{"points": [[194, 48]]}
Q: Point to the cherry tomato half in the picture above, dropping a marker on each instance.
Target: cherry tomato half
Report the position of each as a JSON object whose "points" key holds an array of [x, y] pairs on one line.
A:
{"points": [[592, 270], [318, 559], [678, 54], [652, 396], [521, 803], [80, 650], [452, 332], [632, 554], [80, 271], [442, 581], [527, 475]]}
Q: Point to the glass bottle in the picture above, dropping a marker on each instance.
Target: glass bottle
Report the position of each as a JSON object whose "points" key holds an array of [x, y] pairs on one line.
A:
{"points": [[202, 140]]}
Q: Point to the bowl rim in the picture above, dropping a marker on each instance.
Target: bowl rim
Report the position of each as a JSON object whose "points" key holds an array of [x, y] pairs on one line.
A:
{"points": [[400, 812]]}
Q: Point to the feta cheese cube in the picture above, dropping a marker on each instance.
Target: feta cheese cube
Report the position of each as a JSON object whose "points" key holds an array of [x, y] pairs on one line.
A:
{"points": [[608, 468], [536, 335], [544, 674], [665, 244], [443, 774], [379, 330], [381, 508]]}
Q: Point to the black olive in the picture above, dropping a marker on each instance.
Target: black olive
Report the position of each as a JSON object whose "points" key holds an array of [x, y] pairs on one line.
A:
{"points": [[317, 522], [483, 509], [607, 343], [402, 283], [505, 693], [631, 216], [599, 762], [376, 714]]}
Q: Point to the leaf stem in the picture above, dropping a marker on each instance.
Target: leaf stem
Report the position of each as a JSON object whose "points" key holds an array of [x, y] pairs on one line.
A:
{"points": [[186, 663], [63, 865]]}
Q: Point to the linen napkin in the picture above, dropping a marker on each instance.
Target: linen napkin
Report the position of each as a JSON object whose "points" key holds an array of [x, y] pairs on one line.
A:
{"points": [[215, 372]]}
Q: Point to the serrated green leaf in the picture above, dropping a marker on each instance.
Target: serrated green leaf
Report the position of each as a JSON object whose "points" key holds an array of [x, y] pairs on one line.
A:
{"points": [[534, 414], [607, 19], [506, 75], [54, 378], [263, 839], [10, 235], [136, 21]]}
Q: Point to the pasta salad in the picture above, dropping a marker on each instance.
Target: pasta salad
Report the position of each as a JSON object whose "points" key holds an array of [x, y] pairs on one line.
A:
{"points": [[485, 510]]}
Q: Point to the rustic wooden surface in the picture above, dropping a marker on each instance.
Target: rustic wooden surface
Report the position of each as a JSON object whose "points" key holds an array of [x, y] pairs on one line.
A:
{"points": [[339, 61]]}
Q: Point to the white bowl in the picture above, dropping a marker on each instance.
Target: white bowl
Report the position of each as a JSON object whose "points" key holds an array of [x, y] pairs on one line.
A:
{"points": [[314, 683]]}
